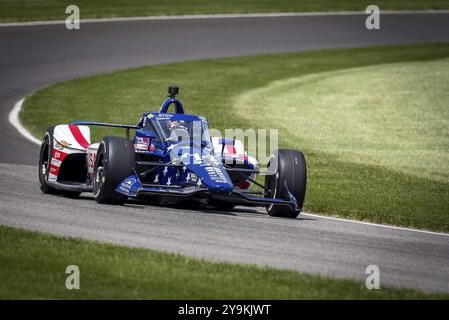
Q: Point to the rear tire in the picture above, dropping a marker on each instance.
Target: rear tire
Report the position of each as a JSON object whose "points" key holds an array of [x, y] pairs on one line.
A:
{"points": [[114, 162], [290, 169], [44, 161], [45, 155]]}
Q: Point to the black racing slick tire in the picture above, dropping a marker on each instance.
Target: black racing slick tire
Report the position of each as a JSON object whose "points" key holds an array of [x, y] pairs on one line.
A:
{"points": [[114, 162], [45, 155], [289, 173], [45, 160]]}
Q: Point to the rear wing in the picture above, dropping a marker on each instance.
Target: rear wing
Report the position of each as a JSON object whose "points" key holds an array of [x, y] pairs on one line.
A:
{"points": [[105, 124]]}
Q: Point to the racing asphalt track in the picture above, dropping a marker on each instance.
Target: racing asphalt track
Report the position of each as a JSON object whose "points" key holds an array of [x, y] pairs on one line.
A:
{"points": [[35, 56]]}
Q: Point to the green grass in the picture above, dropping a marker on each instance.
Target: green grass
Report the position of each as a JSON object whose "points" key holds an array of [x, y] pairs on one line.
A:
{"points": [[372, 122], [385, 125], [32, 266], [27, 10]]}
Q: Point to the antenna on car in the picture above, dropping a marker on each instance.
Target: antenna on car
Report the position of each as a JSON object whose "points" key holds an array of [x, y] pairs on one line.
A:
{"points": [[173, 91]]}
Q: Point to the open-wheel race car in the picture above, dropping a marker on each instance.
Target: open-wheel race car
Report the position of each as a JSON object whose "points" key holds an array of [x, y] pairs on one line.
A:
{"points": [[170, 158]]}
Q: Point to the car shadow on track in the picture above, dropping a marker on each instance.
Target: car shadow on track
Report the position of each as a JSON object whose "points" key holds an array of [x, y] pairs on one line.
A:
{"points": [[190, 205], [201, 208]]}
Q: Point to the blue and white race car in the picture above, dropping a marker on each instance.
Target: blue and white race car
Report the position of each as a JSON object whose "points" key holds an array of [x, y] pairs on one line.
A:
{"points": [[170, 158]]}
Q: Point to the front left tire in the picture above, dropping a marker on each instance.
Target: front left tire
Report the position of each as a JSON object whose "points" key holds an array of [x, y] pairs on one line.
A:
{"points": [[114, 162]]}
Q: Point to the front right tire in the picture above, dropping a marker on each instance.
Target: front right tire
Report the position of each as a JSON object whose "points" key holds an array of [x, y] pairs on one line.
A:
{"points": [[289, 174]]}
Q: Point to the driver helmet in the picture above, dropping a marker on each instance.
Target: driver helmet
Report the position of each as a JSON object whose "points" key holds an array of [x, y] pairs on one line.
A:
{"points": [[178, 124]]}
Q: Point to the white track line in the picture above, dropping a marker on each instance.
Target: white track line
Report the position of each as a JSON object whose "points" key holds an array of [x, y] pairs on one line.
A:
{"points": [[374, 224], [221, 16], [14, 120]]}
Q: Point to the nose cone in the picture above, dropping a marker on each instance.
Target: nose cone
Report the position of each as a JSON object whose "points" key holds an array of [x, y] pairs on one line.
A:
{"points": [[222, 188], [213, 176], [211, 171]]}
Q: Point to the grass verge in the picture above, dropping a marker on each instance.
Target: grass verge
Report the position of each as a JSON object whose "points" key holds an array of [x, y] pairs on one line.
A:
{"points": [[372, 122], [32, 266], [28, 10]]}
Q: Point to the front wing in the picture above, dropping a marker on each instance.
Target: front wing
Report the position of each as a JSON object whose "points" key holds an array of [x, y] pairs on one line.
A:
{"points": [[132, 187]]}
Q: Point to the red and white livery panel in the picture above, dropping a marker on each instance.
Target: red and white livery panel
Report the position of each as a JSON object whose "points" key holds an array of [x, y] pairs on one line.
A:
{"points": [[67, 139]]}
